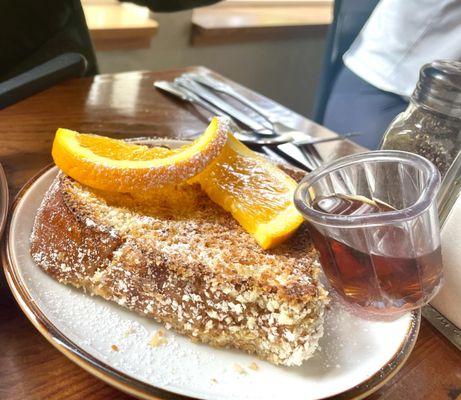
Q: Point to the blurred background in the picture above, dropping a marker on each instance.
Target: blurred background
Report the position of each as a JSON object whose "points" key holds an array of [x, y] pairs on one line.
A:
{"points": [[272, 46]]}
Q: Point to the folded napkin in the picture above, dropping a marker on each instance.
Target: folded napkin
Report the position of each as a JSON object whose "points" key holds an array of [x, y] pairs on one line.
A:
{"points": [[448, 300]]}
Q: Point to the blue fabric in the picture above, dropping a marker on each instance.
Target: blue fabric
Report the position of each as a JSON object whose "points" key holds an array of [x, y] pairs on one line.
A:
{"points": [[349, 16], [356, 106]]}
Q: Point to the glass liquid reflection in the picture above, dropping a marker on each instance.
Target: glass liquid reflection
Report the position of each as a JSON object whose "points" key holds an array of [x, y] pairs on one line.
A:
{"points": [[379, 284]]}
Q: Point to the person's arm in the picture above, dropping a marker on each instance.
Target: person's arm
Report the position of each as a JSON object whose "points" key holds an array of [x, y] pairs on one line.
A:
{"points": [[172, 5]]}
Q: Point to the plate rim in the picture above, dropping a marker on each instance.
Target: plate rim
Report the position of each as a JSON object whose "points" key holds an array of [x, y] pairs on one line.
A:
{"points": [[4, 200], [133, 386]]}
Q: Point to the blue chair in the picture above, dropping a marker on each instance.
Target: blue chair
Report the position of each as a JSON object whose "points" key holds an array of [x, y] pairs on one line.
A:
{"points": [[348, 19]]}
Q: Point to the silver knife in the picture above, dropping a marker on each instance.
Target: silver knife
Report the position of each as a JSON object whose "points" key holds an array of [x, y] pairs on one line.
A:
{"points": [[222, 87], [229, 109], [186, 95], [302, 152], [288, 149]]}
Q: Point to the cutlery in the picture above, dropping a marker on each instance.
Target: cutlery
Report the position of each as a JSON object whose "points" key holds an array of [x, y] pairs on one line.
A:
{"points": [[186, 95], [219, 86], [253, 137], [293, 155], [183, 93], [263, 140], [225, 107], [308, 151], [301, 150], [300, 154]]}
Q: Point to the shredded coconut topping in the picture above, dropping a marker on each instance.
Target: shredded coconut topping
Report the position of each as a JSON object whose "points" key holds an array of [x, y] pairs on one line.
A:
{"points": [[177, 257]]}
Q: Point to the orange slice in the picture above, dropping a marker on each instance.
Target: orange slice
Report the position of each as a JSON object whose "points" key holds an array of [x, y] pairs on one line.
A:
{"points": [[257, 193], [120, 166]]}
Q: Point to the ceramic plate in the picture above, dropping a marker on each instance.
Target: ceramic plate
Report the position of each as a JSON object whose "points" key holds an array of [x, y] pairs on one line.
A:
{"points": [[356, 356], [3, 200]]}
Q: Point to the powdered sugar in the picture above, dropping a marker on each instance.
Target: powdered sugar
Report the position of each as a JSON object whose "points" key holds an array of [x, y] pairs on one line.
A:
{"points": [[182, 366], [351, 350]]}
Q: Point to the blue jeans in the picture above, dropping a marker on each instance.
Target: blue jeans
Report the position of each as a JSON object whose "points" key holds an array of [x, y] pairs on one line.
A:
{"points": [[356, 106]]}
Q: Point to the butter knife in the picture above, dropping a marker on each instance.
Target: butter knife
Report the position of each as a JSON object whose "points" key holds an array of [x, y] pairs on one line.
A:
{"points": [[291, 151]]}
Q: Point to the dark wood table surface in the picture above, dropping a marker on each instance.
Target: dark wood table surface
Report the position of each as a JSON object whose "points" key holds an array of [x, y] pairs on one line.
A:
{"points": [[126, 105]]}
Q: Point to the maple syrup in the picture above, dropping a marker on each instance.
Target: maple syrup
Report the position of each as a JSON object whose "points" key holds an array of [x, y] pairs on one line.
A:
{"points": [[385, 283]]}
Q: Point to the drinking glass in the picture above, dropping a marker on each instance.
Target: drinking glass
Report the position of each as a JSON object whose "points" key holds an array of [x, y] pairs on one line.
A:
{"points": [[385, 263]]}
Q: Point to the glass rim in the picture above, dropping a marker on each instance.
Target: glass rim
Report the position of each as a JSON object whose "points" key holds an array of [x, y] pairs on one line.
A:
{"points": [[424, 201]]}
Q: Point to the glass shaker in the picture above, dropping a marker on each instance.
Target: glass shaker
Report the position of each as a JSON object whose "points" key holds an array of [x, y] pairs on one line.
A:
{"points": [[431, 125], [448, 299]]}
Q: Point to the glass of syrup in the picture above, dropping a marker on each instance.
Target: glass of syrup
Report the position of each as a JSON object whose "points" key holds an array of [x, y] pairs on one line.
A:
{"points": [[373, 219]]}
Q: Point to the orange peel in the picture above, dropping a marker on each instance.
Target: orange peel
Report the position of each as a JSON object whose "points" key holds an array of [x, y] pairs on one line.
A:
{"points": [[257, 193], [119, 166]]}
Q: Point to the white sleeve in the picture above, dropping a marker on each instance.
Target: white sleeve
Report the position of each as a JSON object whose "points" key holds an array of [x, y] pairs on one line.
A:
{"points": [[401, 36]]}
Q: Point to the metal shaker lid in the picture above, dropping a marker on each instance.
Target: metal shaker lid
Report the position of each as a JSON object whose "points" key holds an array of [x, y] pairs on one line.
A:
{"points": [[439, 87]]}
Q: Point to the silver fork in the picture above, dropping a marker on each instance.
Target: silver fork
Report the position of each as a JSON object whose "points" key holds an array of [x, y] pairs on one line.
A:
{"points": [[252, 137], [279, 128], [292, 154], [303, 155]]}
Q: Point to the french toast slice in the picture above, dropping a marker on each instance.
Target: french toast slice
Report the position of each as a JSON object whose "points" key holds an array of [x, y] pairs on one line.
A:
{"points": [[179, 258]]}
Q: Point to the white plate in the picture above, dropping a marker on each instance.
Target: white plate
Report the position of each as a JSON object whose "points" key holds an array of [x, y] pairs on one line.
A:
{"points": [[356, 356]]}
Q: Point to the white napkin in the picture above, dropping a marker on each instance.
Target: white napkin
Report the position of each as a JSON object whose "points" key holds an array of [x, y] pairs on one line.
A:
{"points": [[448, 300]]}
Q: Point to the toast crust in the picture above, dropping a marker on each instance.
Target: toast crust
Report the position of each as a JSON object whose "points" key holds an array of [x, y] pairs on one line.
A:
{"points": [[192, 268]]}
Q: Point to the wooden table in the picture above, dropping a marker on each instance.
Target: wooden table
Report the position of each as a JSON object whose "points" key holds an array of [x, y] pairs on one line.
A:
{"points": [[119, 26], [229, 23], [123, 105]]}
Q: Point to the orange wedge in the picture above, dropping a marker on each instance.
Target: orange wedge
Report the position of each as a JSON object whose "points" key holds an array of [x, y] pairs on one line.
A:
{"points": [[257, 193], [120, 166]]}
